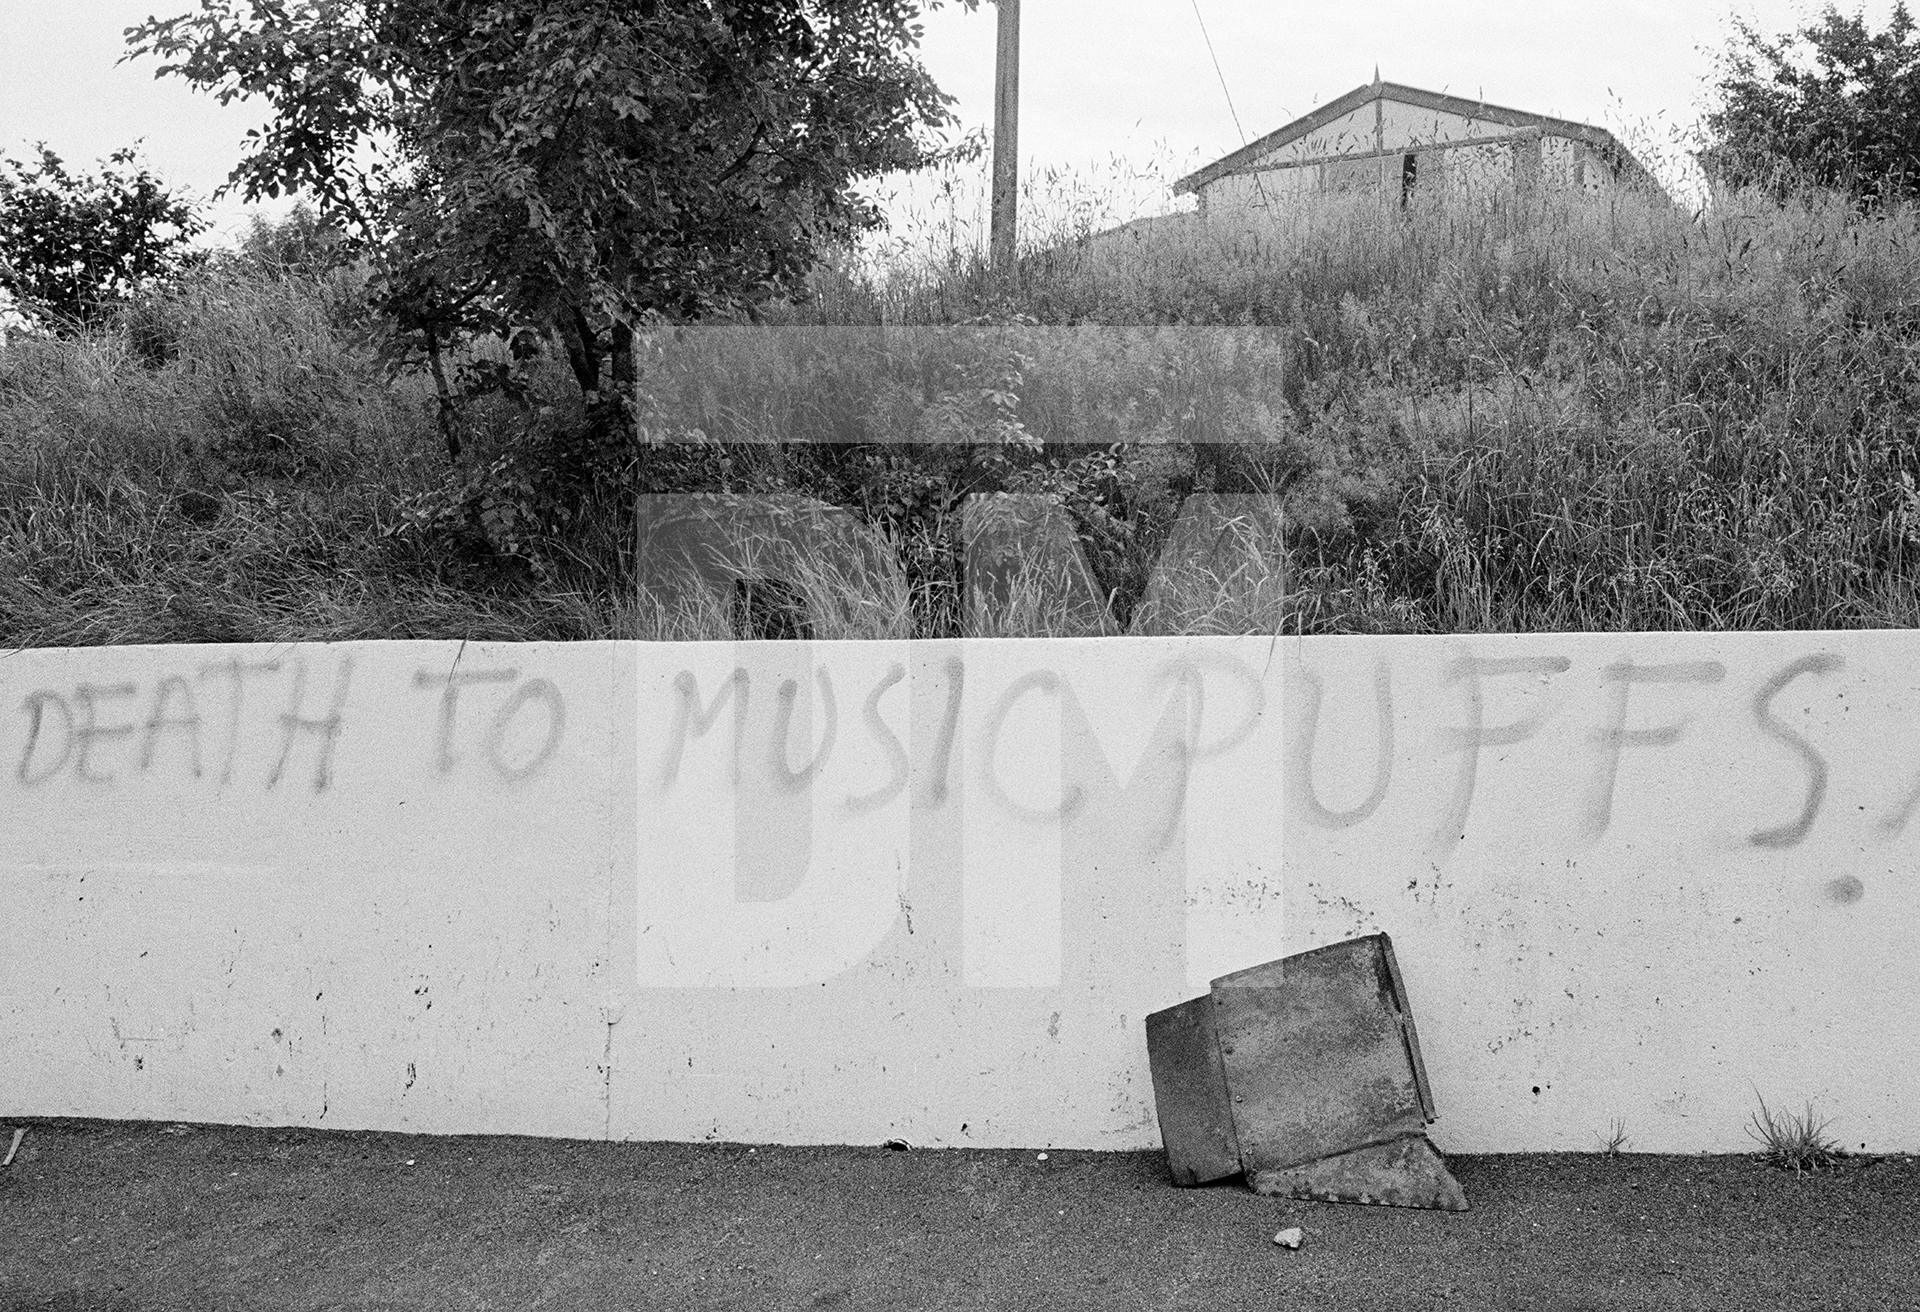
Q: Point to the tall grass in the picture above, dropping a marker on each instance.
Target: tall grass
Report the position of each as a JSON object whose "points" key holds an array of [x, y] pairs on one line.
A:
{"points": [[1559, 413], [227, 465], [1488, 413]]}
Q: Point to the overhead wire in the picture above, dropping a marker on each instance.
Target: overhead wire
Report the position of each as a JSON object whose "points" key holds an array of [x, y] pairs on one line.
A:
{"points": [[1218, 72]]}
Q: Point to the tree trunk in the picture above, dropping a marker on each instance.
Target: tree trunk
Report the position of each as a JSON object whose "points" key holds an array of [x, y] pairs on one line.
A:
{"points": [[623, 360], [583, 348], [625, 376], [448, 416]]}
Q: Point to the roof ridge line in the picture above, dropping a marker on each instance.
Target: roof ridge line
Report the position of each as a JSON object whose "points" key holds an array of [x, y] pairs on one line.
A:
{"points": [[1366, 93]]}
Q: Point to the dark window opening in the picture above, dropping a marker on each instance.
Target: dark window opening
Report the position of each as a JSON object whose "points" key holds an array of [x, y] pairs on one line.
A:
{"points": [[1409, 174]]}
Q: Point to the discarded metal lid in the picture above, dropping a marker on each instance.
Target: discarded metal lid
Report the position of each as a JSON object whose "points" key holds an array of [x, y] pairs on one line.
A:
{"points": [[1305, 1075]]}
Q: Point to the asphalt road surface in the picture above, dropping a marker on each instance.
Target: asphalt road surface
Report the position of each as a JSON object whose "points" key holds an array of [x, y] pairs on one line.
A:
{"points": [[128, 1216]]}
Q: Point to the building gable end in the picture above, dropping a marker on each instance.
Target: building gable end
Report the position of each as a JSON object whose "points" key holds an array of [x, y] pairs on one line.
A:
{"points": [[1251, 156]]}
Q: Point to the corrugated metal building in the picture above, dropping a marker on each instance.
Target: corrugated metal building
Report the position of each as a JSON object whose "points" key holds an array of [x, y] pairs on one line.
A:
{"points": [[1400, 140]]}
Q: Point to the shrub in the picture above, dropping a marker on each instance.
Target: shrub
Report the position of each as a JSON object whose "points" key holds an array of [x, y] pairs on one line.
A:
{"points": [[75, 248], [1538, 414]]}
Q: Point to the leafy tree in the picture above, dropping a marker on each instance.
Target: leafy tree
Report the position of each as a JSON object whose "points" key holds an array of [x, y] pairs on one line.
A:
{"points": [[75, 247], [1834, 105], [298, 242], [569, 171]]}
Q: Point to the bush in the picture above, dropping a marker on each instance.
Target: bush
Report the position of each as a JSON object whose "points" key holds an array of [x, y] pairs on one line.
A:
{"points": [[243, 490], [75, 248], [1833, 105], [1544, 414]]}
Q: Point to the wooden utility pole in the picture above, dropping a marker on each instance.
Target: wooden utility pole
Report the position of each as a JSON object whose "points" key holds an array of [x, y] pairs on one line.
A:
{"points": [[1006, 141]]}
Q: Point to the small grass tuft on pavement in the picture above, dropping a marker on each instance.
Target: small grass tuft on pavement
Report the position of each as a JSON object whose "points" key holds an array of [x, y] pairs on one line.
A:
{"points": [[1795, 1142]]}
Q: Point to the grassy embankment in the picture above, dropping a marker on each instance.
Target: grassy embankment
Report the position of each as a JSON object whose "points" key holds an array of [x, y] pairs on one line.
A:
{"points": [[1528, 416]]}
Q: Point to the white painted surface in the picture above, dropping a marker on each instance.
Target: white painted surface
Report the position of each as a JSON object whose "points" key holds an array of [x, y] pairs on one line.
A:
{"points": [[1663, 896], [1485, 170], [1350, 133], [212, 916], [1010, 896], [1560, 159], [1230, 199], [1675, 871], [1489, 165], [1405, 126]]}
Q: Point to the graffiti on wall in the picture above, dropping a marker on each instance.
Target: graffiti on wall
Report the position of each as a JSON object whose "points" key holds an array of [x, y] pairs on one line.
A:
{"points": [[1613, 728], [510, 723], [798, 804], [831, 749], [196, 721]]}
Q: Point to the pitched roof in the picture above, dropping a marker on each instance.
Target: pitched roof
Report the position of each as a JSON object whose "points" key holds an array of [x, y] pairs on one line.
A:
{"points": [[1518, 119]]}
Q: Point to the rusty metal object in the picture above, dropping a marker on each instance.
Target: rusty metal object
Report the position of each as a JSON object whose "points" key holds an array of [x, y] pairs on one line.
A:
{"points": [[1316, 1069], [1190, 1094], [1403, 1172], [1316, 1055]]}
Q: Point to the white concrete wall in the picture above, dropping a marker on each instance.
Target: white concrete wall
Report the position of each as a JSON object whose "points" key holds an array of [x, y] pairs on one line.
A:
{"points": [[1646, 875], [1231, 198], [844, 891], [1378, 175], [1349, 134], [1471, 171], [1560, 161], [1399, 127], [1406, 126], [218, 910], [1480, 171], [1574, 165]]}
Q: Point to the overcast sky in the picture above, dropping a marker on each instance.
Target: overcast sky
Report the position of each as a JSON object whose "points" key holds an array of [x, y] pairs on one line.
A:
{"points": [[1100, 79]]}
